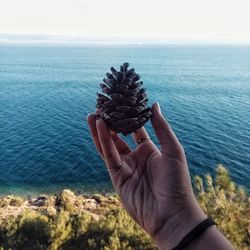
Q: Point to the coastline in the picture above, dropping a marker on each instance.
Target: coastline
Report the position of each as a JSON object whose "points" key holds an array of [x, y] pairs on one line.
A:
{"points": [[25, 191], [11, 205]]}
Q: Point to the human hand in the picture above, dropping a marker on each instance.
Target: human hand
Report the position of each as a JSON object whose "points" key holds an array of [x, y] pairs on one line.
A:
{"points": [[153, 184]]}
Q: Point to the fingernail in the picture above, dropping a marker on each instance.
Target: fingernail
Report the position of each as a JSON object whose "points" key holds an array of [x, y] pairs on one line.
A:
{"points": [[158, 107], [88, 115]]}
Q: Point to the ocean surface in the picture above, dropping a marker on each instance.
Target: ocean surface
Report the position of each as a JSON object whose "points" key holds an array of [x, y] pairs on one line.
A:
{"points": [[47, 91]]}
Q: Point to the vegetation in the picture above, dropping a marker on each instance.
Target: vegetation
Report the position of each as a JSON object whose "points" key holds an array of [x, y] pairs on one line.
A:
{"points": [[67, 221], [228, 204]]}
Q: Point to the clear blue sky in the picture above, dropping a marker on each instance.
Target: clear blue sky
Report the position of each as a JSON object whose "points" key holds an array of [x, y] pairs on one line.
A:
{"points": [[143, 19]]}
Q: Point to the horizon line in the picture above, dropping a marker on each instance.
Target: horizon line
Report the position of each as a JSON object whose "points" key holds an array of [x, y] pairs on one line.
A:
{"points": [[36, 38]]}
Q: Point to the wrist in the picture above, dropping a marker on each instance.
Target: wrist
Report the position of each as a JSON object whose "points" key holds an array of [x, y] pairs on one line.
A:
{"points": [[175, 229]]}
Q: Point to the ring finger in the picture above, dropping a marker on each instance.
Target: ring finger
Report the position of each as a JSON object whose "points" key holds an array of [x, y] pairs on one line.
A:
{"points": [[140, 136]]}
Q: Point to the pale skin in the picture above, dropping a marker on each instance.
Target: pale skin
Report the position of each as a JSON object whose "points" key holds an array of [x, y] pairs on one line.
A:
{"points": [[154, 184]]}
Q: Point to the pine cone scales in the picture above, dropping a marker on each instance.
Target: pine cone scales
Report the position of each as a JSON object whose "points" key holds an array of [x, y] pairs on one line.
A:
{"points": [[123, 102]]}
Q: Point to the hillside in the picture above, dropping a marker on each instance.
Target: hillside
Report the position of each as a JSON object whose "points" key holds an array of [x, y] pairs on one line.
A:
{"points": [[70, 221]]}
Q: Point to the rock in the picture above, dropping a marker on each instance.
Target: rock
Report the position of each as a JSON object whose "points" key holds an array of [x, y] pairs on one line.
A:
{"points": [[78, 192], [65, 200], [11, 201], [98, 197], [68, 193], [42, 197], [90, 204], [16, 201], [40, 201]]}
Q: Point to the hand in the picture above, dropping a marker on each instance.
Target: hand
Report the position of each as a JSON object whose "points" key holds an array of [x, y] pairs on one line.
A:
{"points": [[154, 185]]}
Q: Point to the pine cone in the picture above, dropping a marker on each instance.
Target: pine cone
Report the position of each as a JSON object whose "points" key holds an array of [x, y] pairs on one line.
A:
{"points": [[123, 102]]}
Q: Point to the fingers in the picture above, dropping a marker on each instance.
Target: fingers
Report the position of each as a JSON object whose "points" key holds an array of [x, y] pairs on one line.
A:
{"points": [[92, 126], [166, 137], [145, 145], [140, 135], [121, 146], [110, 153]]}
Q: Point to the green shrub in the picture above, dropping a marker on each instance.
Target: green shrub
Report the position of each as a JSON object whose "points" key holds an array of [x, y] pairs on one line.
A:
{"points": [[65, 224], [29, 231], [228, 204], [115, 230]]}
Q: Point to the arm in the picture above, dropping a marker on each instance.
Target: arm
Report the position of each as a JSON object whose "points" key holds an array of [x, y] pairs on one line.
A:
{"points": [[154, 184], [212, 238]]}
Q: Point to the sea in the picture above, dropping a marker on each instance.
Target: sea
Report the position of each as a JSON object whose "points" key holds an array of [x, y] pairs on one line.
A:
{"points": [[46, 92]]}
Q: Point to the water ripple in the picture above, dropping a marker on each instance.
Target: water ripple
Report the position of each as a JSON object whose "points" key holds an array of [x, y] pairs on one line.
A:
{"points": [[46, 93]]}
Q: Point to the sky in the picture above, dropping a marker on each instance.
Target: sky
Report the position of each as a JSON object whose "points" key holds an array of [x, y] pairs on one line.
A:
{"points": [[131, 19]]}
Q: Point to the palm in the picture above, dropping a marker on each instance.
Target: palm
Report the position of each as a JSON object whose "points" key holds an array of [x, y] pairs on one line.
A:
{"points": [[144, 185]]}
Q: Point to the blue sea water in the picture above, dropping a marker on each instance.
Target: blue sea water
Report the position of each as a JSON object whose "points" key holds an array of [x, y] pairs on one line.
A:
{"points": [[47, 91]]}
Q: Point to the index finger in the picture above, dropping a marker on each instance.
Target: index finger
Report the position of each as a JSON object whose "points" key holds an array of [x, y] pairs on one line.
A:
{"points": [[110, 153]]}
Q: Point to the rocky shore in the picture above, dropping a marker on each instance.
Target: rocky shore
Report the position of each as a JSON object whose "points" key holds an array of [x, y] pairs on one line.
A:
{"points": [[51, 205], [69, 222]]}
